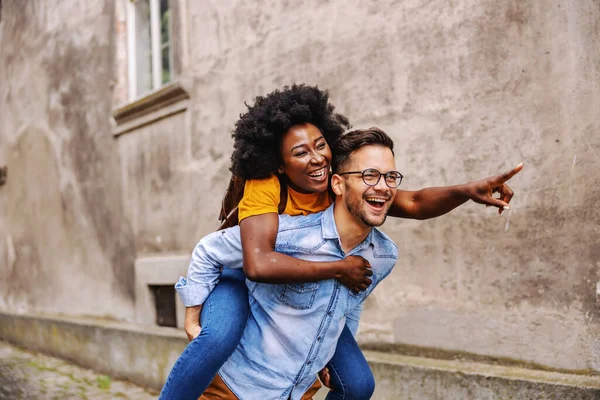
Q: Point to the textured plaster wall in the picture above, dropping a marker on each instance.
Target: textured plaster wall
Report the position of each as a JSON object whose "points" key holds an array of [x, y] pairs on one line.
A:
{"points": [[64, 243], [467, 89]]}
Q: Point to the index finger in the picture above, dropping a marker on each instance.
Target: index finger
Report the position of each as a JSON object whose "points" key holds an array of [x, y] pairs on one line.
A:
{"points": [[506, 176]]}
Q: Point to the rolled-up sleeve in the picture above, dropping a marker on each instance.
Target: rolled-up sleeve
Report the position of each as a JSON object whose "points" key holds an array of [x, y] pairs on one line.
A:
{"points": [[217, 250]]}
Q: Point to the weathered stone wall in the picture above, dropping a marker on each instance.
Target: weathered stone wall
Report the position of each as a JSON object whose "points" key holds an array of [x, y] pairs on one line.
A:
{"points": [[64, 243], [466, 89]]}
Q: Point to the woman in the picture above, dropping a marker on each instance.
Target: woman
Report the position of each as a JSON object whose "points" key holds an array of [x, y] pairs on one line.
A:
{"points": [[287, 133]]}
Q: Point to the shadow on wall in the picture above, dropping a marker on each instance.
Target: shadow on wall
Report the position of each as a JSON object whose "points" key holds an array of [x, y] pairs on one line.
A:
{"points": [[3, 169]]}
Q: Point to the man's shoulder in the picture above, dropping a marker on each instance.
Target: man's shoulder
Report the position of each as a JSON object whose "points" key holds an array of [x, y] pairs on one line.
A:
{"points": [[383, 245], [301, 234], [298, 222]]}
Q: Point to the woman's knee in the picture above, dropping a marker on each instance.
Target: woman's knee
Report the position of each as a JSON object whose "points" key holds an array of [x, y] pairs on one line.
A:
{"points": [[363, 389], [359, 387]]}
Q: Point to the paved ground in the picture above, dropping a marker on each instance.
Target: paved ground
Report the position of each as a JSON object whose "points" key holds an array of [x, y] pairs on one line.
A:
{"points": [[26, 375]]}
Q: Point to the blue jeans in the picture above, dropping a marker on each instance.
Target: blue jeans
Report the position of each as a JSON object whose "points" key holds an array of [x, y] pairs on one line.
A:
{"points": [[351, 376], [223, 319]]}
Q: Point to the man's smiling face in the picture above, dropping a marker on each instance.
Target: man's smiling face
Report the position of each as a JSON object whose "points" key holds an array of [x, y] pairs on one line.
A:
{"points": [[369, 204]]}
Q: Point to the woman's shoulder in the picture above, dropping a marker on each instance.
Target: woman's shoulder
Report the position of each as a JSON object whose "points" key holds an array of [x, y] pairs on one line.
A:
{"points": [[269, 184], [261, 196]]}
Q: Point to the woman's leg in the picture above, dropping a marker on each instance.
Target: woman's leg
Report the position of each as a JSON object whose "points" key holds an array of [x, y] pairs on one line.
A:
{"points": [[223, 319], [351, 376]]}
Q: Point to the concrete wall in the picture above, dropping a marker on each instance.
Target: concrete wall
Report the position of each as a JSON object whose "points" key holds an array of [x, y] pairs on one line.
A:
{"points": [[64, 243], [466, 89]]}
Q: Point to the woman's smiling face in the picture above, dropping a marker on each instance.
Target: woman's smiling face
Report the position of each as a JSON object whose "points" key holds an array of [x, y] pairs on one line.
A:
{"points": [[306, 157]]}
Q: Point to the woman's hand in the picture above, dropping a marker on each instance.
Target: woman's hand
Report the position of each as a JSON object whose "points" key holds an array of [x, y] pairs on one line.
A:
{"points": [[481, 191], [192, 322], [355, 272]]}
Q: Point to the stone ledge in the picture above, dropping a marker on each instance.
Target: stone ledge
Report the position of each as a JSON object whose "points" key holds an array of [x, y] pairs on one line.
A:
{"points": [[145, 354], [408, 377], [170, 99], [141, 354]]}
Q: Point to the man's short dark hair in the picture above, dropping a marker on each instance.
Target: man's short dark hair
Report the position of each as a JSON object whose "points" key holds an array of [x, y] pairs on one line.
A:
{"points": [[258, 133], [354, 140]]}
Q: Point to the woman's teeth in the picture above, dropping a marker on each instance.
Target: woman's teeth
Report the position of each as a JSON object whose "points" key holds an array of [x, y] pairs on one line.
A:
{"points": [[318, 174]]}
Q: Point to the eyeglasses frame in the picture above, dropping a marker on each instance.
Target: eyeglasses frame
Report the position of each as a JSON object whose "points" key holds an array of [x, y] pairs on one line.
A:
{"points": [[378, 179]]}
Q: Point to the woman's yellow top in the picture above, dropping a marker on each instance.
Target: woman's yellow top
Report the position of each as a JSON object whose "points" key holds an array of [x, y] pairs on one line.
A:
{"points": [[262, 196]]}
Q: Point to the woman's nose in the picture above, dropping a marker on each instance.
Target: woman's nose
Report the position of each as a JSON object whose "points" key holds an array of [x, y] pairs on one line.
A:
{"points": [[317, 158]]}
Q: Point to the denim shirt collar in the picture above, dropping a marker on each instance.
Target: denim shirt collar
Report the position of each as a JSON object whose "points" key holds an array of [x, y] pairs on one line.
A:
{"points": [[329, 230]]}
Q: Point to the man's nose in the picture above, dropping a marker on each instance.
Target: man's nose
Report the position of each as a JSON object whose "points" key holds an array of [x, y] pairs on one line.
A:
{"points": [[381, 185]]}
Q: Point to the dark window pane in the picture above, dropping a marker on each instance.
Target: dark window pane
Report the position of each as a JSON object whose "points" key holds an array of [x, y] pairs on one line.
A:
{"points": [[166, 65], [164, 301], [165, 40]]}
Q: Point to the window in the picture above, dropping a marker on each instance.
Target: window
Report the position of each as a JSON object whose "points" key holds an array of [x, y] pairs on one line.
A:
{"points": [[150, 55], [164, 303]]}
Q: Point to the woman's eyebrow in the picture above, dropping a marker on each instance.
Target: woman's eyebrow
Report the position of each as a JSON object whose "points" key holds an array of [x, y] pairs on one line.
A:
{"points": [[295, 147], [304, 144]]}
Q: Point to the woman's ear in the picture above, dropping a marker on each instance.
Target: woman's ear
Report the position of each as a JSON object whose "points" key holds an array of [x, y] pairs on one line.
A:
{"points": [[280, 170], [338, 185]]}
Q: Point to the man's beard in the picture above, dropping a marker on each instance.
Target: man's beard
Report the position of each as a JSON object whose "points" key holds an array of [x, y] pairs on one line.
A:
{"points": [[355, 209]]}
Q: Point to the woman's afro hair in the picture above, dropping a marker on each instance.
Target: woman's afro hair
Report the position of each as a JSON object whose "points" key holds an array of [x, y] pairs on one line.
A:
{"points": [[258, 133]]}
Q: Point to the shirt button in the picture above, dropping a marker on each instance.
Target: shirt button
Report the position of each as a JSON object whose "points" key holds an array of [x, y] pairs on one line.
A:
{"points": [[330, 313], [310, 362], [302, 286], [319, 339]]}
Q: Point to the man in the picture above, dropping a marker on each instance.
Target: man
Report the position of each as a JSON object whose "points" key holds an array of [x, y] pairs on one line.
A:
{"points": [[293, 329]]}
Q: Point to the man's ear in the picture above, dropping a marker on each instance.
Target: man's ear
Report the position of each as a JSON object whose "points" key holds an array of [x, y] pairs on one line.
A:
{"points": [[338, 185]]}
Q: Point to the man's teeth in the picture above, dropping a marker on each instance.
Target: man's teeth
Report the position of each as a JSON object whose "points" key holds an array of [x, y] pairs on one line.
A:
{"points": [[318, 174], [376, 200]]}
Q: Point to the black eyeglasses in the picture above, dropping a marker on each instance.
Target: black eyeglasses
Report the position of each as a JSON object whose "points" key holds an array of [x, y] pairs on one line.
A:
{"points": [[371, 177]]}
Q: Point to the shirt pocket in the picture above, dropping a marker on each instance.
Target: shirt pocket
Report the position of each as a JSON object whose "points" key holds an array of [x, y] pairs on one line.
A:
{"points": [[354, 299], [300, 296]]}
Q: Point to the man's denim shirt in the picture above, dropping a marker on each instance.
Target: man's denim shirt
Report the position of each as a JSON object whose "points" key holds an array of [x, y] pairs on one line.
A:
{"points": [[292, 330]]}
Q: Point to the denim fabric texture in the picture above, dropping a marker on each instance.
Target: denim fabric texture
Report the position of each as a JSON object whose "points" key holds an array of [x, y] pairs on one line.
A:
{"points": [[223, 318], [351, 376], [292, 329]]}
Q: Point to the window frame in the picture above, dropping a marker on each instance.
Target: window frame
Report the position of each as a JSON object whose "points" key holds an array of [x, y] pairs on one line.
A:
{"points": [[155, 48], [173, 97]]}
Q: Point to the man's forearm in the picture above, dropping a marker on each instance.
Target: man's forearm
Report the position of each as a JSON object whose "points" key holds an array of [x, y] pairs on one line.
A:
{"points": [[192, 322], [192, 314]]}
